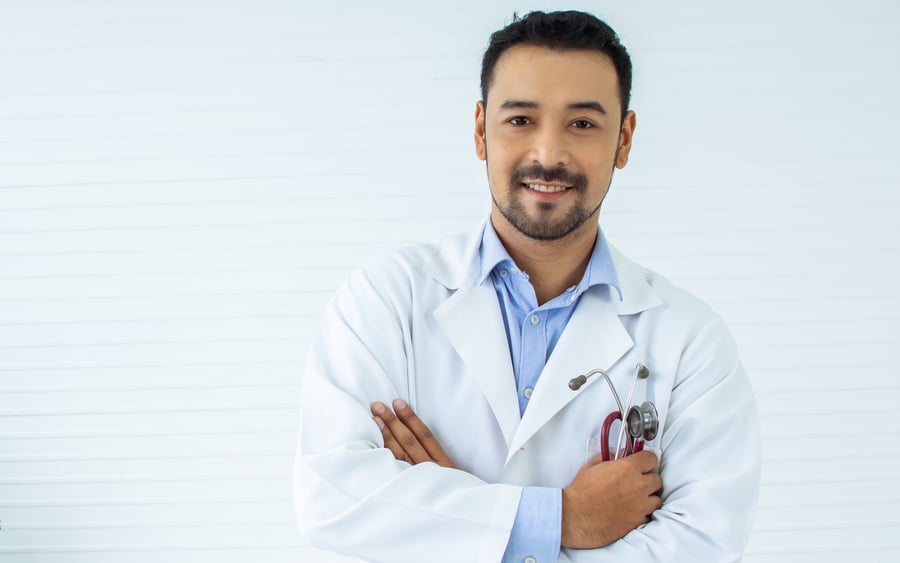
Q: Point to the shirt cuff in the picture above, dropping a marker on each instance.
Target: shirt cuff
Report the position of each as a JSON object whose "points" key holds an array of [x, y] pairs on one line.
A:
{"points": [[537, 529]]}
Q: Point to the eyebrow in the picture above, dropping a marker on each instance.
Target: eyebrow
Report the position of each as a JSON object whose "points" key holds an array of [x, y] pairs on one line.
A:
{"points": [[525, 104]]}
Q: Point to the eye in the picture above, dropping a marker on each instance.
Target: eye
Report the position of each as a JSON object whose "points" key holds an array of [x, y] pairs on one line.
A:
{"points": [[519, 120], [582, 124]]}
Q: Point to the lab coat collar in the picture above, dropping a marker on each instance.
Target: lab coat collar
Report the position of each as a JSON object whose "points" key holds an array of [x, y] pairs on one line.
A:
{"points": [[457, 264], [472, 321]]}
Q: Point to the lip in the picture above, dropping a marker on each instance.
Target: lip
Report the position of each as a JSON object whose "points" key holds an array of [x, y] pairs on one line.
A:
{"points": [[542, 183], [546, 196]]}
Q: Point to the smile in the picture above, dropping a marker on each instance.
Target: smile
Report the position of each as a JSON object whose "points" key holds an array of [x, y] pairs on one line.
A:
{"points": [[543, 188]]}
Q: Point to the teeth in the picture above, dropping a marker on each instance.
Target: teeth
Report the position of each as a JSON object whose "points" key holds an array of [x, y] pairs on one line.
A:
{"points": [[545, 189]]}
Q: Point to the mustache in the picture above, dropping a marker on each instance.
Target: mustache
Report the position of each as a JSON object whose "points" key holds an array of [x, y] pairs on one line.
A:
{"points": [[559, 174]]}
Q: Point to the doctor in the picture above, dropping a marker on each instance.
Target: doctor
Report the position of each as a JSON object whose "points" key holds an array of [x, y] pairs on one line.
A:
{"points": [[487, 454]]}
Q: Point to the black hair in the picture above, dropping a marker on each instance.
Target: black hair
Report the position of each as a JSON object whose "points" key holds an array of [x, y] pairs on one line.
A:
{"points": [[559, 30]]}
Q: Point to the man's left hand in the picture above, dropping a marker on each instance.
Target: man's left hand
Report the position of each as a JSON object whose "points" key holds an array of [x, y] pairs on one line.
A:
{"points": [[406, 436]]}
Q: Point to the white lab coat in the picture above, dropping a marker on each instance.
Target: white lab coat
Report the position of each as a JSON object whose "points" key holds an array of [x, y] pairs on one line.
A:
{"points": [[416, 324]]}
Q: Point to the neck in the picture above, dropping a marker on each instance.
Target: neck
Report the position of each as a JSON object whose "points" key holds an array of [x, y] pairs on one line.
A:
{"points": [[553, 266]]}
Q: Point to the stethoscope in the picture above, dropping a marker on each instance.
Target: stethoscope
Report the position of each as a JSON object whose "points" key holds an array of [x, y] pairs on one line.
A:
{"points": [[642, 422]]}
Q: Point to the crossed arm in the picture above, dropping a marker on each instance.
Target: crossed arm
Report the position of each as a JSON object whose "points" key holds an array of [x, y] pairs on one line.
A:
{"points": [[604, 501]]}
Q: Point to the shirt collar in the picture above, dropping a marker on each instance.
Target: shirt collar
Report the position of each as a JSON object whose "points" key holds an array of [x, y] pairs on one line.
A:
{"points": [[600, 269]]}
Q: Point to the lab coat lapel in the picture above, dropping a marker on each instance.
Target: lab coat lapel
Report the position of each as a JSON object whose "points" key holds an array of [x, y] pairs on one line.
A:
{"points": [[472, 322], [593, 338]]}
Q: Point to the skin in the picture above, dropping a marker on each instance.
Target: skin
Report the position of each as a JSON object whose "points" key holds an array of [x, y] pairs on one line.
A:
{"points": [[554, 118], [528, 123]]}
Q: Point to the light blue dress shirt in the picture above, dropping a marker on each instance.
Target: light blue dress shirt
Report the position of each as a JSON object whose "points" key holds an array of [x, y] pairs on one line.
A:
{"points": [[532, 332]]}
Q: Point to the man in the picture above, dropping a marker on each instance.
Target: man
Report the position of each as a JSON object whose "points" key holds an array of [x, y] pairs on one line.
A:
{"points": [[482, 457]]}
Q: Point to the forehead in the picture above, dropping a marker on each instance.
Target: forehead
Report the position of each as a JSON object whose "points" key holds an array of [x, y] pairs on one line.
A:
{"points": [[548, 76]]}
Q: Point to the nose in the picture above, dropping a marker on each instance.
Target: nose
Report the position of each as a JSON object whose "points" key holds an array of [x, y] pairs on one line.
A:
{"points": [[549, 148]]}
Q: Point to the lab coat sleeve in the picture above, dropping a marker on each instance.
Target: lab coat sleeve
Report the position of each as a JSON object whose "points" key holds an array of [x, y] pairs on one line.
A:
{"points": [[351, 495], [710, 463]]}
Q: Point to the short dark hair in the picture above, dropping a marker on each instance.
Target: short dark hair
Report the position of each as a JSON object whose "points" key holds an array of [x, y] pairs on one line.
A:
{"points": [[559, 30]]}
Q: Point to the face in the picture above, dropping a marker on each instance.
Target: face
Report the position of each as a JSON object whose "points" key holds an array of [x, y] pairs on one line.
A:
{"points": [[551, 135]]}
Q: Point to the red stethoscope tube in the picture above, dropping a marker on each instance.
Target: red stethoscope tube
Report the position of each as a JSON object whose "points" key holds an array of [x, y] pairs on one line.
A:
{"points": [[637, 446]]}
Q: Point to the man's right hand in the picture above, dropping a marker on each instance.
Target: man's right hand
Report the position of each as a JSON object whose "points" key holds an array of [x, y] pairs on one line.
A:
{"points": [[606, 500]]}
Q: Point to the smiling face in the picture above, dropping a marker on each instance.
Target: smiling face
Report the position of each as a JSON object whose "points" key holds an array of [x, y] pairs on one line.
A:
{"points": [[551, 135]]}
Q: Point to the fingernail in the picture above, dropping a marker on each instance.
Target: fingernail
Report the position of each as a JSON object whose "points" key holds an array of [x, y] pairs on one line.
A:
{"points": [[399, 404], [379, 408], [379, 422]]}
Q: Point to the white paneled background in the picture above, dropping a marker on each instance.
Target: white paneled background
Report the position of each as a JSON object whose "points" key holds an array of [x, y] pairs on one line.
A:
{"points": [[184, 183]]}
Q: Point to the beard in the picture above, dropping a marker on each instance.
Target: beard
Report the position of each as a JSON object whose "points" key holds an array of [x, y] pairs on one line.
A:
{"points": [[546, 226]]}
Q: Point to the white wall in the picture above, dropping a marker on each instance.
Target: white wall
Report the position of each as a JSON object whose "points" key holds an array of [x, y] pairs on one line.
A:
{"points": [[183, 184]]}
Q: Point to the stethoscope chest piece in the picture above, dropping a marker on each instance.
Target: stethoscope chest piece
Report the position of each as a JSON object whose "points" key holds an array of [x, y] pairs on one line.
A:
{"points": [[643, 421]]}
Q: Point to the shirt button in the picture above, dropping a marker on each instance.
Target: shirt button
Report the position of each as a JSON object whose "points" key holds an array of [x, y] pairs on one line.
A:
{"points": [[530, 559], [503, 273], [528, 391], [535, 319]]}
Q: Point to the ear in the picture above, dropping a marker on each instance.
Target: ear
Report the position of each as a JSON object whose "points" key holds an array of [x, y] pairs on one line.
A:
{"points": [[626, 133], [480, 144]]}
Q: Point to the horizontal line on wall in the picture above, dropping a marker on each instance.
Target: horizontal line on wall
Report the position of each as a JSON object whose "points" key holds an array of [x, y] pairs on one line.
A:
{"points": [[264, 87], [111, 343], [214, 179], [180, 384], [846, 431], [150, 319], [107, 479], [139, 296], [807, 479], [102, 548], [827, 457], [808, 548], [840, 343], [326, 197], [807, 409], [217, 431], [839, 387], [294, 223], [155, 410], [144, 524], [231, 110], [75, 366], [843, 525], [127, 456], [226, 156], [236, 131], [878, 500], [816, 321], [147, 501]]}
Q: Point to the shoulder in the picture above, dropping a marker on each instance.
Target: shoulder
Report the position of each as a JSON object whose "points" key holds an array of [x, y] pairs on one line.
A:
{"points": [[666, 308], [644, 289], [412, 273], [418, 263]]}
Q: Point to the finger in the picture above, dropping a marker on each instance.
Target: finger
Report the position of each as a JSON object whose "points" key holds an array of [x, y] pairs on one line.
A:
{"points": [[407, 440], [654, 504], [595, 460], [426, 438], [653, 483], [645, 460], [389, 441]]}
